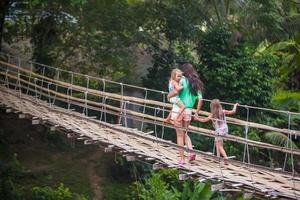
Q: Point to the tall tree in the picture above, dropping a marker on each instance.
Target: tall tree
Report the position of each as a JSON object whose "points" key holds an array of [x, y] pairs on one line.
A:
{"points": [[4, 6]]}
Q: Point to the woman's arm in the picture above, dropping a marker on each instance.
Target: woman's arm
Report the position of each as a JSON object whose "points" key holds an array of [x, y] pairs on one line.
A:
{"points": [[177, 86], [175, 92], [233, 111], [199, 104], [172, 94]]}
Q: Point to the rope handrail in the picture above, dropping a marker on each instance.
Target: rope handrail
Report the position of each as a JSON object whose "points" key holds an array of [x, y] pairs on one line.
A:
{"points": [[145, 101]]}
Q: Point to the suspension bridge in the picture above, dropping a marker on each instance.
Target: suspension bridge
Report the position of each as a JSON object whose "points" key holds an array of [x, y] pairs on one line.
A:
{"points": [[86, 108]]}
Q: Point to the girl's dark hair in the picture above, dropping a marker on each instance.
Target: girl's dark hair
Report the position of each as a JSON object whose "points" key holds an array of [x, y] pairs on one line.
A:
{"points": [[194, 81]]}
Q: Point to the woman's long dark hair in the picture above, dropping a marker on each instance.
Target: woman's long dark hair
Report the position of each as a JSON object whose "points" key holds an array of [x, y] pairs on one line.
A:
{"points": [[190, 73]]}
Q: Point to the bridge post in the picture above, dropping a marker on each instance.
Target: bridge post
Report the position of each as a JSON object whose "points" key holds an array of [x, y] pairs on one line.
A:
{"points": [[248, 195], [21, 116], [35, 121], [130, 158], [157, 166], [163, 114], [217, 186], [109, 148]]}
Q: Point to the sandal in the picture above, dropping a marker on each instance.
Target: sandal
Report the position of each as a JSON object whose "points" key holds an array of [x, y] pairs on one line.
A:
{"points": [[226, 162], [192, 157], [181, 162]]}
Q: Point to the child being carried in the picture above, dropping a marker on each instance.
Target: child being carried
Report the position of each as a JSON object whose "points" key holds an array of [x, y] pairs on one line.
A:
{"points": [[175, 86]]}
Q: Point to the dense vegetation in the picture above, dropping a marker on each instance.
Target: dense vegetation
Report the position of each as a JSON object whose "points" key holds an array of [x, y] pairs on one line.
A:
{"points": [[245, 51]]}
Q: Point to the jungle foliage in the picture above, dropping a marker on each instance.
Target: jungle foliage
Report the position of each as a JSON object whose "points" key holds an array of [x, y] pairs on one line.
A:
{"points": [[245, 51]]}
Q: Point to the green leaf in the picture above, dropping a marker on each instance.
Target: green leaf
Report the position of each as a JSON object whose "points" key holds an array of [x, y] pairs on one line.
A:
{"points": [[280, 139]]}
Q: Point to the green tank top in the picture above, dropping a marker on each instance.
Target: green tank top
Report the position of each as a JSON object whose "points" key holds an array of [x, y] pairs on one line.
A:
{"points": [[185, 95]]}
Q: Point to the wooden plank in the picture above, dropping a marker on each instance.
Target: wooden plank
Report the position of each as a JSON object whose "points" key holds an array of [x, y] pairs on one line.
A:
{"points": [[21, 116], [201, 166], [216, 187]]}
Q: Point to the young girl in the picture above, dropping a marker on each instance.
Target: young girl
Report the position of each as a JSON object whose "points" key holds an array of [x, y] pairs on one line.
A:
{"points": [[175, 86], [218, 117]]}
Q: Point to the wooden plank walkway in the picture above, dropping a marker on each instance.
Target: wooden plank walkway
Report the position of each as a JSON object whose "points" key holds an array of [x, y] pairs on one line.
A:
{"points": [[132, 141]]}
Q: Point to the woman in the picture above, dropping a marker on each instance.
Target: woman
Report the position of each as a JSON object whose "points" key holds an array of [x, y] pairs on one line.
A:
{"points": [[190, 93]]}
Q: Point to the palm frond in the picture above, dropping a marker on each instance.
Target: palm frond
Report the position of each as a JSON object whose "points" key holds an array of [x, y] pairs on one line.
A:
{"points": [[280, 139]]}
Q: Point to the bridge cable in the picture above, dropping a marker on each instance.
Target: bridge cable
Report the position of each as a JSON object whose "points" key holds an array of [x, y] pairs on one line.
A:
{"points": [[157, 91], [121, 114], [144, 108], [35, 89], [31, 66], [163, 115], [49, 95], [246, 149], [291, 147], [123, 107], [56, 85], [155, 125], [85, 109], [229, 122], [103, 102], [17, 80], [288, 140], [247, 125], [292, 155], [125, 114], [70, 90], [18, 84], [6, 78], [43, 75]]}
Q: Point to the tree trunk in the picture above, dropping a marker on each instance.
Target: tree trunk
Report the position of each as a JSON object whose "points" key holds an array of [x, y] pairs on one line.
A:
{"points": [[4, 5]]}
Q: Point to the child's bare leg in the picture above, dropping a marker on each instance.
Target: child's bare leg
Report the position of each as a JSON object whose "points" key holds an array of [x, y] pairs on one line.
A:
{"points": [[180, 142], [168, 119], [217, 148], [221, 149], [180, 112], [187, 141]]}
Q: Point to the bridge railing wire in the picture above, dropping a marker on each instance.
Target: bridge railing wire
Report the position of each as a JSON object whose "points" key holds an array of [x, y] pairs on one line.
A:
{"points": [[83, 80], [37, 81], [42, 81], [158, 92]]}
